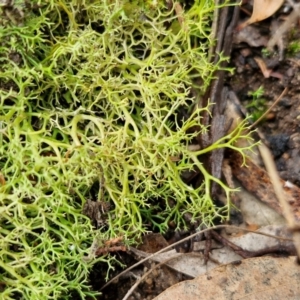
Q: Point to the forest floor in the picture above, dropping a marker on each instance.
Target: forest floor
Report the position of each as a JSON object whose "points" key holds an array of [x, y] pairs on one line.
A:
{"points": [[281, 128]]}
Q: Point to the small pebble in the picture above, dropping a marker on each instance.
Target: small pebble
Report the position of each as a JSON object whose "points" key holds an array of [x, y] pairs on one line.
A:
{"points": [[246, 52], [285, 102], [271, 116], [149, 281], [285, 156], [278, 143], [290, 72]]}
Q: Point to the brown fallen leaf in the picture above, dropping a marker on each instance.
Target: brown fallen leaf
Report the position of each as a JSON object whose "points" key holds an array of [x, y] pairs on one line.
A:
{"points": [[262, 9]]}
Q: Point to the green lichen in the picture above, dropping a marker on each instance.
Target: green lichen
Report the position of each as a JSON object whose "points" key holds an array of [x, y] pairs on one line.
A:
{"points": [[92, 90]]}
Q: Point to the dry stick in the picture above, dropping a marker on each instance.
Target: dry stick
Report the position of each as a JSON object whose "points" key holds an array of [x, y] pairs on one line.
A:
{"points": [[286, 209], [269, 109], [214, 29], [186, 239]]}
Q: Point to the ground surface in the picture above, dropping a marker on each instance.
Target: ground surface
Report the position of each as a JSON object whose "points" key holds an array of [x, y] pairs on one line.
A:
{"points": [[281, 128]]}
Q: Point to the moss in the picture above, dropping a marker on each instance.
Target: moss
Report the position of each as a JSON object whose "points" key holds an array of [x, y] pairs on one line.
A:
{"points": [[91, 93], [257, 105], [293, 48]]}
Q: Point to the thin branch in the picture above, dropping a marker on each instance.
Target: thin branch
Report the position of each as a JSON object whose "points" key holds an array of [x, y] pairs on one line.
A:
{"points": [[287, 212]]}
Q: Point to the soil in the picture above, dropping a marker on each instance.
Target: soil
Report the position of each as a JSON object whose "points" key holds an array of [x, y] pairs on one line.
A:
{"points": [[281, 128], [282, 124]]}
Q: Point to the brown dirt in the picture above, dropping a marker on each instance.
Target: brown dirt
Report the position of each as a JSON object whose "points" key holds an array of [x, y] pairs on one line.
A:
{"points": [[282, 125]]}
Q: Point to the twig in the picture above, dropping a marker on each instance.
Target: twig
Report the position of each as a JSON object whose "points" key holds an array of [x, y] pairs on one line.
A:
{"points": [[269, 109], [186, 239], [208, 245], [237, 249], [273, 173], [290, 249], [214, 29]]}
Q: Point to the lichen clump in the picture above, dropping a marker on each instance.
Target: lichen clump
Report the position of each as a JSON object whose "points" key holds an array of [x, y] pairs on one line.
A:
{"points": [[91, 94]]}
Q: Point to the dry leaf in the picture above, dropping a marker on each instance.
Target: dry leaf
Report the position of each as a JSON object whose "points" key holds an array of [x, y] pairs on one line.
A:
{"points": [[266, 72], [262, 9], [258, 278]]}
